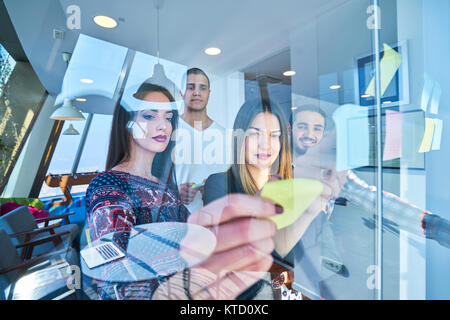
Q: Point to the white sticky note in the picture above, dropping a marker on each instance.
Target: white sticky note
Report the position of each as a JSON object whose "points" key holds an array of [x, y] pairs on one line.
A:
{"points": [[352, 137], [426, 92], [436, 98], [437, 136]]}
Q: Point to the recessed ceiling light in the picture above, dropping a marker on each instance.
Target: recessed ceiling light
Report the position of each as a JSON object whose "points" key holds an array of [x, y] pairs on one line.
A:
{"points": [[289, 73], [105, 22], [294, 108], [213, 51], [365, 96], [85, 80], [81, 99], [386, 102], [335, 87]]}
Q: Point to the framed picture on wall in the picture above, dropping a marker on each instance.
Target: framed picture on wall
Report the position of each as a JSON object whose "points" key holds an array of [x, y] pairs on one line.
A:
{"points": [[394, 78]]}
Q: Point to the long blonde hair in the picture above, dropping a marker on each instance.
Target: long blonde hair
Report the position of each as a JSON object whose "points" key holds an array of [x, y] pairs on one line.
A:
{"points": [[282, 165]]}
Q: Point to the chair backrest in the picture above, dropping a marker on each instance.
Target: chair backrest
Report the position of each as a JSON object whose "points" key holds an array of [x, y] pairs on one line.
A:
{"points": [[18, 220], [8, 257]]}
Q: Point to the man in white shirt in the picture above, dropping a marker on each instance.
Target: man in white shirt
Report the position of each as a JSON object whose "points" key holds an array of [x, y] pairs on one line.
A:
{"points": [[201, 142]]}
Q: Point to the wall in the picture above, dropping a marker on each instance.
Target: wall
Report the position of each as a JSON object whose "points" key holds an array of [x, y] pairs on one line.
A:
{"points": [[24, 172]]}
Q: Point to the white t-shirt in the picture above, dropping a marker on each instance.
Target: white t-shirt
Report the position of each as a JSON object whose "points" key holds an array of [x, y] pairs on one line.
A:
{"points": [[198, 154]]}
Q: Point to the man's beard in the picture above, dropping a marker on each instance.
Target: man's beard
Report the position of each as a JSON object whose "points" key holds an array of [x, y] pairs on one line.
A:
{"points": [[299, 151]]}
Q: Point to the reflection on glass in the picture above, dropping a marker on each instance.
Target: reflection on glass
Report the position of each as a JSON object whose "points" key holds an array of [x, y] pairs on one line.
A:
{"points": [[230, 193]]}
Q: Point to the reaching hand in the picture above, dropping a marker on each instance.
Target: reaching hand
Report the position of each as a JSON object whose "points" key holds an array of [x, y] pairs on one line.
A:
{"points": [[242, 253]]}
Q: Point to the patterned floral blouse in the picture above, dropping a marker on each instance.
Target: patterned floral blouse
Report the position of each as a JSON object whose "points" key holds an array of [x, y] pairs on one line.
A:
{"points": [[115, 202]]}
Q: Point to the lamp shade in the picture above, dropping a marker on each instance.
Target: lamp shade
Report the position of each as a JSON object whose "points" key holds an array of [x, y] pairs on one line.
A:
{"points": [[71, 131], [67, 112], [158, 78]]}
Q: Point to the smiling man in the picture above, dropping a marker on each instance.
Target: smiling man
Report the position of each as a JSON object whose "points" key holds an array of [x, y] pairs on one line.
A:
{"points": [[317, 248], [308, 127]]}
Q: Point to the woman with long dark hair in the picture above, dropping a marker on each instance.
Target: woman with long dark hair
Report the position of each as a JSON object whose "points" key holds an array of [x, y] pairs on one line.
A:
{"points": [[139, 185], [124, 153]]}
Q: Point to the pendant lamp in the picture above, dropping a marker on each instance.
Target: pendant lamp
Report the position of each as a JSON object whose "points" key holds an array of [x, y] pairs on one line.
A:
{"points": [[159, 76], [67, 112], [71, 131]]}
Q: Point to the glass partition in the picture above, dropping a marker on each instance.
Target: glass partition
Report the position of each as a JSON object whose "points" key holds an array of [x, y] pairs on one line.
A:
{"points": [[198, 111], [419, 117]]}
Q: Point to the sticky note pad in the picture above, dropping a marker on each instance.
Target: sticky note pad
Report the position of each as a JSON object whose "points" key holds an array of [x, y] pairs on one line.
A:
{"points": [[436, 98], [426, 92], [393, 137], [294, 195], [389, 65], [437, 136], [352, 129], [427, 136]]}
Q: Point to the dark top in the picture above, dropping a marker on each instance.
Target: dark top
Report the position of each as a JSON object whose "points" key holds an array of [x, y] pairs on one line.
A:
{"points": [[216, 186], [220, 184]]}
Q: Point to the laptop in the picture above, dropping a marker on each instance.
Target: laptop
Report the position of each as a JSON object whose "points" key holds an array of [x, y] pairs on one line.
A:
{"points": [[101, 254]]}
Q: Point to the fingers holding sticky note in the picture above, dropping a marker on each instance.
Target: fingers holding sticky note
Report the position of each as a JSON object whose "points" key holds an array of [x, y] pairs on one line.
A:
{"points": [[294, 195]]}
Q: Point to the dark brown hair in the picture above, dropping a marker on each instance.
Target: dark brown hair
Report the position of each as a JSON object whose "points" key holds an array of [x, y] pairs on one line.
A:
{"points": [[120, 139], [308, 107], [193, 71]]}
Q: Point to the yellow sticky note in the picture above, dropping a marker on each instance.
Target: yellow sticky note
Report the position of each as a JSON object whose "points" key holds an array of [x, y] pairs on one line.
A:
{"points": [[389, 65], [88, 236], [294, 195], [427, 136]]}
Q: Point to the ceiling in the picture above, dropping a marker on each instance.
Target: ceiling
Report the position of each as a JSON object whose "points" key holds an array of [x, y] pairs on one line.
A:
{"points": [[253, 34], [8, 36], [271, 68]]}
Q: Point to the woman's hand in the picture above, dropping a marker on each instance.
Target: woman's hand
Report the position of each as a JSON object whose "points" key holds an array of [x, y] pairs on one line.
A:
{"points": [[242, 253]]}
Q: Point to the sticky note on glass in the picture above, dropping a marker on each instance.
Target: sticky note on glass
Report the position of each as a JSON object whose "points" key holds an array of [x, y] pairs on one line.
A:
{"points": [[426, 92], [437, 136], [436, 98], [352, 137], [427, 135], [393, 139], [389, 65], [294, 195]]}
